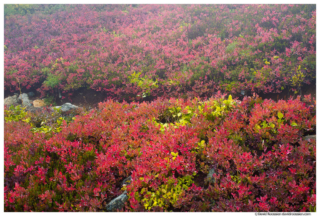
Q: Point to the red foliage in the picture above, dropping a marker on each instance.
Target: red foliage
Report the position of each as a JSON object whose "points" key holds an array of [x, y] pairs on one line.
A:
{"points": [[192, 50], [81, 167]]}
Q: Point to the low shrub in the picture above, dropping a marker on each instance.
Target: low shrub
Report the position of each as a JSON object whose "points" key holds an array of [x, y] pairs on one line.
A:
{"points": [[255, 147], [134, 55]]}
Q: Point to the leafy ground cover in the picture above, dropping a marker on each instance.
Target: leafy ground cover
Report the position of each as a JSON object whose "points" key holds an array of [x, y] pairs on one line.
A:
{"points": [[168, 146], [138, 51], [254, 149]]}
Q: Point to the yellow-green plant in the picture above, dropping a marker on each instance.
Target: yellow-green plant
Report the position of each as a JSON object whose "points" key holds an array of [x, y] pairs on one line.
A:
{"points": [[177, 117], [15, 113], [264, 124], [297, 79], [183, 25], [114, 33], [143, 82], [167, 194], [200, 146], [18, 113], [218, 108], [56, 128], [174, 155]]}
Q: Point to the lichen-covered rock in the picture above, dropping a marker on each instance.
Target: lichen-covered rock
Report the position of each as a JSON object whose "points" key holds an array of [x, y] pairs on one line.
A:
{"points": [[117, 203], [67, 106], [209, 178], [13, 100], [39, 103], [25, 100]]}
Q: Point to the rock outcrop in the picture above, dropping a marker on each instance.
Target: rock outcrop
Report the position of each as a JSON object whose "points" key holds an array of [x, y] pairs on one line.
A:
{"points": [[67, 106], [13, 100], [118, 202], [25, 100]]}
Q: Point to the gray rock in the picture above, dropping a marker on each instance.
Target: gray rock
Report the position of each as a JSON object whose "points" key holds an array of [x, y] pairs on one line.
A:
{"points": [[209, 178], [31, 94], [117, 203], [309, 137], [11, 100], [67, 106], [25, 100]]}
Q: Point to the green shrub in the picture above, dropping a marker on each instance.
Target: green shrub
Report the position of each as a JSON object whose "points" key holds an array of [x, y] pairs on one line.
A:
{"points": [[143, 82], [52, 81], [50, 100], [231, 47]]}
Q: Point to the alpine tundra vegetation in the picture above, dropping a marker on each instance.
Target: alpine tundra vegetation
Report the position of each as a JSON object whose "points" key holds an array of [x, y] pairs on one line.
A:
{"points": [[160, 108]]}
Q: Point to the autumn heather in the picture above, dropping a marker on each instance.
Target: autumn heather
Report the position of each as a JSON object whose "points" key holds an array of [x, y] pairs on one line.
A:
{"points": [[182, 117], [188, 50]]}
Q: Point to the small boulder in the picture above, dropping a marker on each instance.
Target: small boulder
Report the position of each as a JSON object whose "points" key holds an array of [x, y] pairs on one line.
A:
{"points": [[13, 100], [25, 100], [67, 106], [117, 203], [39, 103]]}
